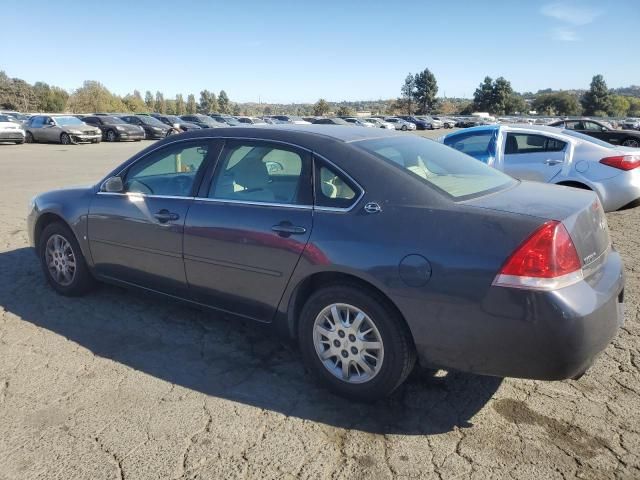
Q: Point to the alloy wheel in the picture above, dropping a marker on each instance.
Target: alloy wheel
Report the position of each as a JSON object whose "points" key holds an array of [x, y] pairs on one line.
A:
{"points": [[631, 142], [60, 260], [65, 139], [348, 343], [111, 136]]}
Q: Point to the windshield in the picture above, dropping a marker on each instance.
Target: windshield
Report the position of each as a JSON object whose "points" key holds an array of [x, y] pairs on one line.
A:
{"points": [[62, 121], [455, 173], [111, 120], [173, 119], [151, 121], [587, 138]]}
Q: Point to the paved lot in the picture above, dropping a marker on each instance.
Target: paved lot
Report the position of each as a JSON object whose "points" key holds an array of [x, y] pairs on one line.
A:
{"points": [[117, 385]]}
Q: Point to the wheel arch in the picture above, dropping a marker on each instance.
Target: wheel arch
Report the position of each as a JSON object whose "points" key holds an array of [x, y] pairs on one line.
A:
{"points": [[312, 283], [45, 220], [574, 184]]}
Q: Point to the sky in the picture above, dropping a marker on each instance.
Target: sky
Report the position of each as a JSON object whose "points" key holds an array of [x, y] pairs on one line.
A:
{"points": [[300, 51]]}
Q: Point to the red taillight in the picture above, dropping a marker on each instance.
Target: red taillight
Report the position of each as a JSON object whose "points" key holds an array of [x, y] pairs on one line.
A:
{"points": [[546, 260], [623, 162]]}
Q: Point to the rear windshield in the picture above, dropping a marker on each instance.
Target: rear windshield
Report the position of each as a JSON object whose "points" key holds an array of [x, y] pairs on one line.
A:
{"points": [[455, 173]]}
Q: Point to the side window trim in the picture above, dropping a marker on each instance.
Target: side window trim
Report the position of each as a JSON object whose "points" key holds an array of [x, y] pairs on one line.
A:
{"points": [[318, 162]]}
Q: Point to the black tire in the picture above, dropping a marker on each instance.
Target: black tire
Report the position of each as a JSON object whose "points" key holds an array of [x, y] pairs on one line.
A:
{"points": [[631, 142], [111, 136], [97, 140], [82, 281], [399, 352], [404, 128], [65, 139], [29, 138]]}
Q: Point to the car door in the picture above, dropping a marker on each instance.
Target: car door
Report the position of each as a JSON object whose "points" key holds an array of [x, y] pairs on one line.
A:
{"points": [[35, 127], [598, 131], [50, 132], [248, 227], [532, 156], [136, 235]]}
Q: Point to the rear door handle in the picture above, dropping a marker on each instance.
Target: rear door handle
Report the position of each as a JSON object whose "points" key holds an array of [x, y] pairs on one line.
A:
{"points": [[285, 229], [552, 162], [164, 216]]}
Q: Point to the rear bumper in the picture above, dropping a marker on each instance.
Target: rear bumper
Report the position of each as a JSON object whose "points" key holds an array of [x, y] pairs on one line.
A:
{"points": [[618, 191], [522, 333]]}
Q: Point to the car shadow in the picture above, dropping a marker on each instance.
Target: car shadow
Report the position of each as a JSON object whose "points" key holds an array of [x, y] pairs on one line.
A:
{"points": [[227, 358]]}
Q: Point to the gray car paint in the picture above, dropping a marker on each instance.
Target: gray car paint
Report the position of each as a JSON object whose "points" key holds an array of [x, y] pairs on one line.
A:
{"points": [[457, 319]]}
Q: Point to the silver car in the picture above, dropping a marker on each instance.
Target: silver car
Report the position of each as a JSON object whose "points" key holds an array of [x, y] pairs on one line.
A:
{"points": [[552, 155], [360, 122], [64, 129], [400, 124]]}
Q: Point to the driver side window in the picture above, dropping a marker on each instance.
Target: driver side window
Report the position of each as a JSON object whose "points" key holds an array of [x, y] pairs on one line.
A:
{"points": [[170, 171]]}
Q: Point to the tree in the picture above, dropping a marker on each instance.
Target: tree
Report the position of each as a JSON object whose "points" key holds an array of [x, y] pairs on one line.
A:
{"points": [[501, 96], [321, 107], [208, 102], [447, 108], [160, 106], [50, 99], [94, 97], [558, 103], [148, 100], [223, 102], [597, 98], [483, 96], [344, 111], [191, 104], [236, 110], [408, 91], [134, 103], [634, 106], [425, 90], [180, 107], [266, 110], [619, 106]]}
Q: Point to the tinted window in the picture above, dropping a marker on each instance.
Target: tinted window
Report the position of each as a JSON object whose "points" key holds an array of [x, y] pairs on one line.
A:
{"points": [[333, 189], [168, 171], [574, 125], [592, 127], [454, 173], [518, 143], [37, 121], [475, 144], [91, 120], [259, 172]]}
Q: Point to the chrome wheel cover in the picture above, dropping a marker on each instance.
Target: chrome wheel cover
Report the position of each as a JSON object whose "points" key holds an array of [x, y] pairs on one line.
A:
{"points": [[348, 343], [60, 260]]}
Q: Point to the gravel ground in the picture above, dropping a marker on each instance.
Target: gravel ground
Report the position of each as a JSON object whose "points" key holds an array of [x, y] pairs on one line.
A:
{"points": [[117, 385]]}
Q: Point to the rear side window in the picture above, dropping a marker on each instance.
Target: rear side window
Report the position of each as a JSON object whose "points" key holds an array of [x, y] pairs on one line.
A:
{"points": [[522, 143], [333, 189], [437, 165], [477, 145]]}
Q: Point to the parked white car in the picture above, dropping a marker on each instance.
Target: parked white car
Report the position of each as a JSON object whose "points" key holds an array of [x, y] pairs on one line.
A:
{"points": [[400, 124], [550, 155], [11, 130], [380, 123], [361, 122]]}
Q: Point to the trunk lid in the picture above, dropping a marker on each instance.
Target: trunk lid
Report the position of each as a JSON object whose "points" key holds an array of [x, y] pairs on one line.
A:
{"points": [[579, 210]]}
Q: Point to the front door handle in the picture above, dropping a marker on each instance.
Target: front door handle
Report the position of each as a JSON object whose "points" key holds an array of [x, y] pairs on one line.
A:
{"points": [[552, 162], [284, 229], [164, 216]]}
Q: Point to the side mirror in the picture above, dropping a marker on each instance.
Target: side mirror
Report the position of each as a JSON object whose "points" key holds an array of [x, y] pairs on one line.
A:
{"points": [[113, 185]]}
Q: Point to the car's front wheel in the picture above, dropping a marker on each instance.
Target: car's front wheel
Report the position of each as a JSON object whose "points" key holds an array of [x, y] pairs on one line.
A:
{"points": [[29, 138], [62, 261], [65, 139], [354, 342], [111, 136]]}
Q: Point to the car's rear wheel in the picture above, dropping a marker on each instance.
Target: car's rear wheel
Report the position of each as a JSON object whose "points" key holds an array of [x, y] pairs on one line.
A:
{"points": [[29, 138], [354, 342], [62, 261], [111, 136], [631, 142], [65, 139]]}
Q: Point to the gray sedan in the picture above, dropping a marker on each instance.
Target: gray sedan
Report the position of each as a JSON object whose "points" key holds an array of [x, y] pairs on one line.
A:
{"points": [[562, 157], [371, 248], [64, 129]]}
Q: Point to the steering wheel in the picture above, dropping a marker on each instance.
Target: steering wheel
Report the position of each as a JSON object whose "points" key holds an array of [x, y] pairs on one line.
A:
{"points": [[137, 186]]}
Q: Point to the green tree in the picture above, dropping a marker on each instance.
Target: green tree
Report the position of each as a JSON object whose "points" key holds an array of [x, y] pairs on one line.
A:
{"points": [[223, 102], [94, 97], [180, 106], [501, 96], [408, 92], [267, 110], [634, 106], [425, 90], [597, 98], [160, 105], [344, 111], [49, 98], [321, 107], [134, 103], [148, 100], [557, 103], [191, 104], [236, 110], [483, 96], [619, 106]]}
